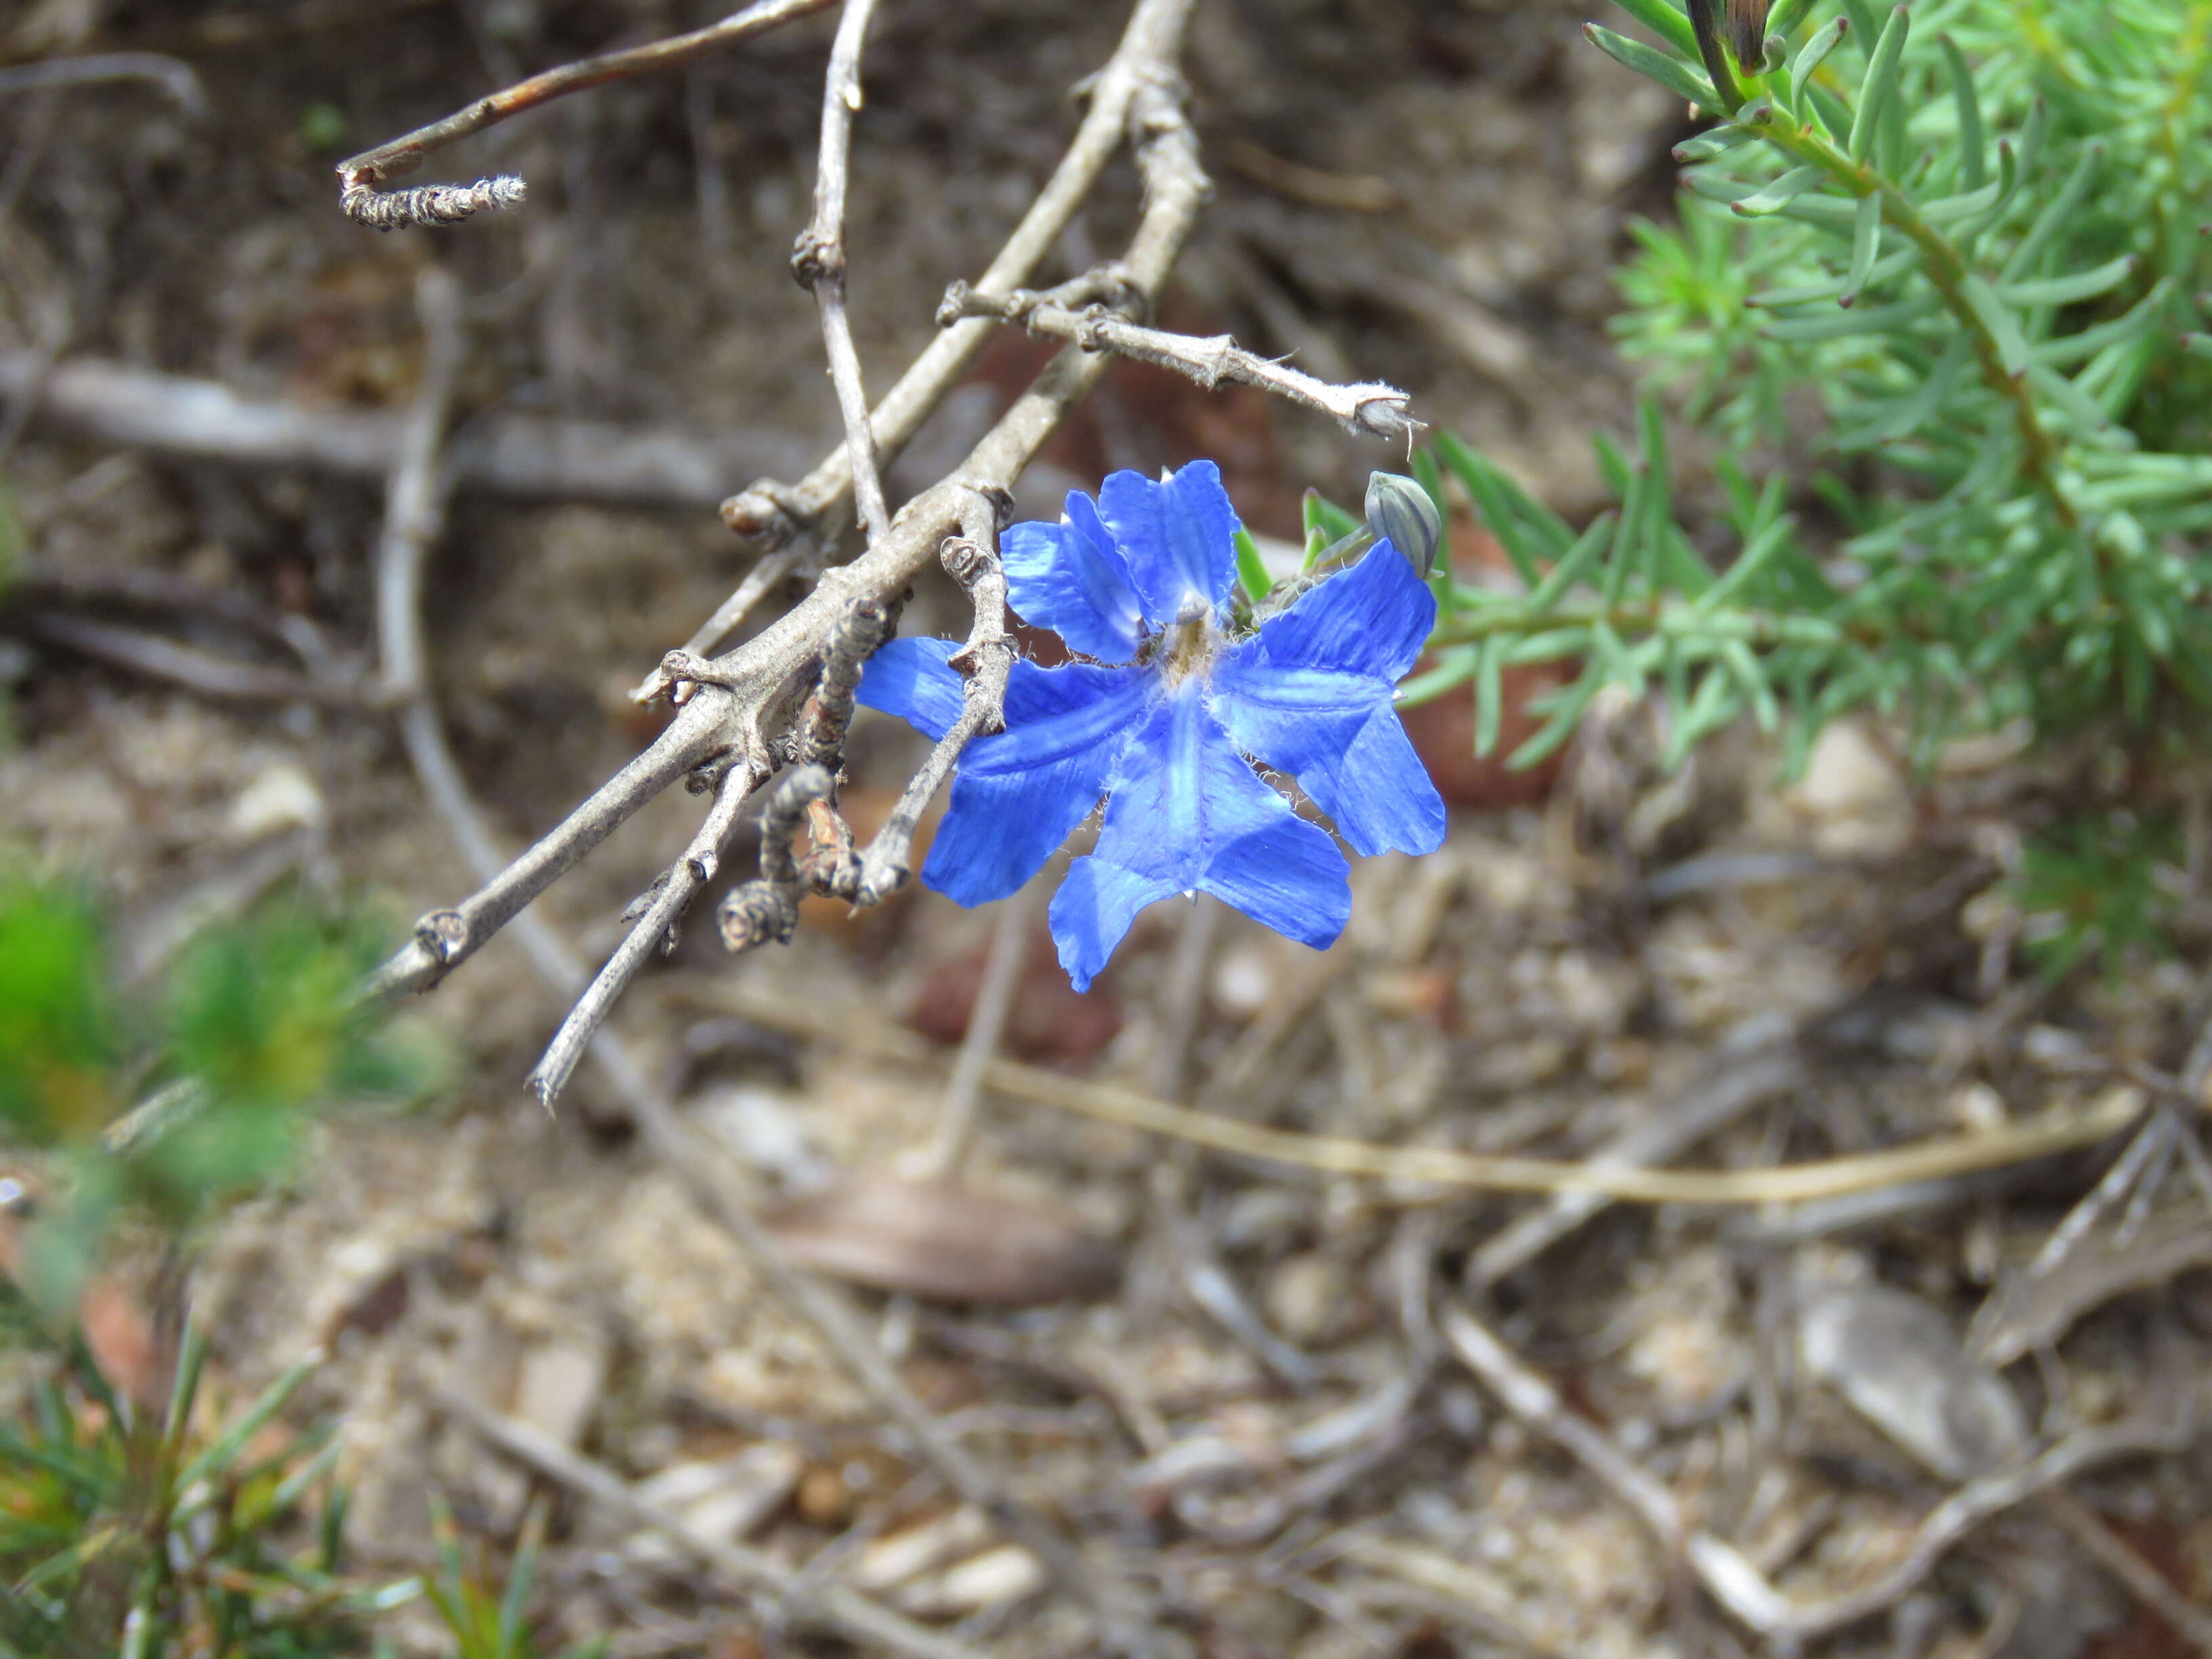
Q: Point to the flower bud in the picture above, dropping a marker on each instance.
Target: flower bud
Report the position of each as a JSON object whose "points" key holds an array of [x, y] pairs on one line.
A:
{"points": [[1401, 513]]}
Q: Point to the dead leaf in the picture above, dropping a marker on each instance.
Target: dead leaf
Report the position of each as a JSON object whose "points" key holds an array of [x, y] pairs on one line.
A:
{"points": [[944, 1240], [1900, 1363]]}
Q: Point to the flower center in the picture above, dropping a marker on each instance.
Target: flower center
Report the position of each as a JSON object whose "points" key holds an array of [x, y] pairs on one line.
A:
{"points": [[1187, 649]]}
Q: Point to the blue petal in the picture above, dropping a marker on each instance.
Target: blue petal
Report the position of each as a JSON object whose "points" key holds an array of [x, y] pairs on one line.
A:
{"points": [[1019, 794], [914, 680], [1187, 814], [1178, 537], [1310, 693], [1071, 578]]}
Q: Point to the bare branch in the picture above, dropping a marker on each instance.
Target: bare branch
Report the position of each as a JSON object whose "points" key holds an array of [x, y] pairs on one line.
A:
{"points": [[445, 938], [988, 659], [732, 696], [401, 155], [1368, 408], [654, 931], [818, 263], [777, 514]]}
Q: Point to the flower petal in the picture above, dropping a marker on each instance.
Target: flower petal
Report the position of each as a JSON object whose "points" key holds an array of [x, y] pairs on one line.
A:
{"points": [[1310, 695], [915, 680], [1374, 618], [1178, 536], [1187, 814], [1071, 578], [1020, 794]]}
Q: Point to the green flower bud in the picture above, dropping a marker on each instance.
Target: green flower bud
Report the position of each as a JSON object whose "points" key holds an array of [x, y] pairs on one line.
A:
{"points": [[1401, 513]]}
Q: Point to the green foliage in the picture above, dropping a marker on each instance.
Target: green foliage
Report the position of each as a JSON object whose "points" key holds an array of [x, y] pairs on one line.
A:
{"points": [[1946, 259], [485, 1624], [125, 1532], [253, 1029], [2096, 887]]}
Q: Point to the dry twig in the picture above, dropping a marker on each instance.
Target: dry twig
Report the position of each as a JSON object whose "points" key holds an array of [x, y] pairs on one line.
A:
{"points": [[780, 1593], [360, 178], [172, 74], [137, 652], [522, 455], [1417, 1168], [818, 262], [1726, 1574], [1369, 409]]}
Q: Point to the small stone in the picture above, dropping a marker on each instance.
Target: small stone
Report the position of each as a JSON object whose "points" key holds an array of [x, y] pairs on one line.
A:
{"points": [[822, 1499], [280, 797], [1307, 1298], [1853, 797]]}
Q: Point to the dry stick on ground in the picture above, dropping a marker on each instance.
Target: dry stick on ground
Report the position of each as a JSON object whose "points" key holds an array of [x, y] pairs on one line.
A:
{"points": [[1419, 1168], [136, 652], [1726, 1574], [958, 1109], [849, 1614], [818, 263], [1369, 407], [412, 521], [172, 74], [713, 1186], [509, 454], [361, 177], [1747, 1072], [2117, 1556]]}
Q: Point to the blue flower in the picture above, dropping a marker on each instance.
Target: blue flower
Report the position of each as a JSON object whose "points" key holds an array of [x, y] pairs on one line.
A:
{"points": [[1168, 719]]}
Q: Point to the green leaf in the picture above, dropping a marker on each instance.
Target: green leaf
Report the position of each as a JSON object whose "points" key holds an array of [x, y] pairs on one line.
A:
{"points": [[1527, 532], [1758, 553], [1973, 166], [1567, 706], [219, 1453], [2069, 290], [1667, 21], [2058, 213], [1866, 242], [1786, 16], [1841, 325], [1573, 567], [2003, 329], [1457, 667], [1251, 568], [1880, 87], [1816, 50], [1489, 696], [1834, 288], [1718, 141], [1653, 65], [1783, 190], [1949, 210]]}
